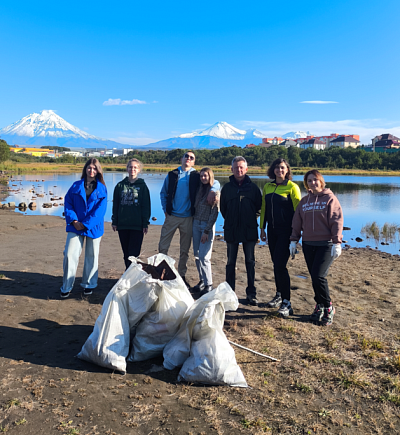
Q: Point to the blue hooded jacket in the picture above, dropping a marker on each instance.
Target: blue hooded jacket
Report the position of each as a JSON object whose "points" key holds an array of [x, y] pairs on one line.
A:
{"points": [[90, 214]]}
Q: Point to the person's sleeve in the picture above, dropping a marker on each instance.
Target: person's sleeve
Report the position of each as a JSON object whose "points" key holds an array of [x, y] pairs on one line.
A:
{"points": [[295, 195], [164, 194], [146, 207], [97, 213], [258, 201], [297, 225], [335, 217], [116, 202], [69, 212], [263, 211], [223, 203], [216, 186], [211, 219]]}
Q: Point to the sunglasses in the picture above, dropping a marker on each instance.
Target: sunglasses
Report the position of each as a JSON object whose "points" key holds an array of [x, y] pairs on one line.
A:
{"points": [[189, 157]]}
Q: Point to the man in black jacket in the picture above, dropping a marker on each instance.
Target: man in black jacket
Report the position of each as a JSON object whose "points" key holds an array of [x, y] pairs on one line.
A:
{"points": [[240, 207]]}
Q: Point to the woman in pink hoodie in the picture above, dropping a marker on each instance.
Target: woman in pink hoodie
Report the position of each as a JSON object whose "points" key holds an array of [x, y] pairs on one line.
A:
{"points": [[318, 220]]}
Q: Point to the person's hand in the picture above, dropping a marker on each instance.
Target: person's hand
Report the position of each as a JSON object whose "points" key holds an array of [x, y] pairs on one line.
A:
{"points": [[292, 249], [145, 231], [78, 226], [204, 238], [336, 250], [114, 227], [263, 235], [212, 198]]}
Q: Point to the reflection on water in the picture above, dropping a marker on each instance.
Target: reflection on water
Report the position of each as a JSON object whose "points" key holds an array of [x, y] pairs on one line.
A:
{"points": [[363, 199]]}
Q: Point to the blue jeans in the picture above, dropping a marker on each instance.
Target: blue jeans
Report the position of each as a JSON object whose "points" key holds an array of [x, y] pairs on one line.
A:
{"points": [[72, 252], [250, 262], [202, 251]]}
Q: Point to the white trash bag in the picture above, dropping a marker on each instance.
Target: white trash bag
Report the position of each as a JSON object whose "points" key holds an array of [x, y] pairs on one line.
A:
{"points": [[128, 301], [201, 347], [161, 323]]}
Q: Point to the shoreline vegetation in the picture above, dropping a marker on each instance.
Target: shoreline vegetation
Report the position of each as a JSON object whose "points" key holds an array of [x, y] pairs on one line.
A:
{"points": [[13, 168]]}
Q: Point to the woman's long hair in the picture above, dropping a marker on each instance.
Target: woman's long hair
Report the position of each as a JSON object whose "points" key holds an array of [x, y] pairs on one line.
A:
{"points": [[274, 164], [99, 175], [205, 188]]}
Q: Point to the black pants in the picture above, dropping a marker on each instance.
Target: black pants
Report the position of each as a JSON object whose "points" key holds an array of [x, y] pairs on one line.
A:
{"points": [[131, 243], [319, 260], [250, 262], [278, 243]]}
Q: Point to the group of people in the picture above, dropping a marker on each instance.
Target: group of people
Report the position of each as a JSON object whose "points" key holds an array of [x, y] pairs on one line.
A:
{"points": [[191, 201]]}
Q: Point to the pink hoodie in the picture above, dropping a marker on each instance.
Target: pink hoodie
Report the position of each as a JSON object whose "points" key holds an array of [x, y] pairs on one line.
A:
{"points": [[318, 218]]}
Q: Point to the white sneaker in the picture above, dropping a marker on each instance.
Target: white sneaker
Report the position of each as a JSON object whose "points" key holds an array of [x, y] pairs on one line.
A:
{"points": [[285, 309]]}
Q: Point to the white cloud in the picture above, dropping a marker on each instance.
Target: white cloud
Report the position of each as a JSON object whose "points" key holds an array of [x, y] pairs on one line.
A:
{"points": [[318, 102], [366, 128], [119, 102]]}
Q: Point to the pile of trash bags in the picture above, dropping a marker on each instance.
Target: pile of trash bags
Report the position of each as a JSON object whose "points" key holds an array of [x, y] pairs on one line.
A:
{"points": [[150, 312]]}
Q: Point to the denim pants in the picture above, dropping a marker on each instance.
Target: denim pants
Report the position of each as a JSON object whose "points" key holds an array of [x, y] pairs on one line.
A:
{"points": [[250, 262], [202, 251], [72, 252], [278, 244], [319, 260]]}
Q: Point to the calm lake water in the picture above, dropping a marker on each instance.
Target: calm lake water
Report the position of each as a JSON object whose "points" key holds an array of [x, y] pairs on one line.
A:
{"points": [[363, 199]]}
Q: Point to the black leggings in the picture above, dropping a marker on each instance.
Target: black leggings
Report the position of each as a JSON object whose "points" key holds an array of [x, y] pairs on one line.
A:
{"points": [[131, 243], [278, 243], [319, 260]]}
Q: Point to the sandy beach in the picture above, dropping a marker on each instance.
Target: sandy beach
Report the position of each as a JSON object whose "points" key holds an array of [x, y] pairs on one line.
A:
{"points": [[338, 380]]}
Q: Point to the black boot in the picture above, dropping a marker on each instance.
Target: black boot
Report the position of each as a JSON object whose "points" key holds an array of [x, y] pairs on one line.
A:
{"points": [[198, 287]]}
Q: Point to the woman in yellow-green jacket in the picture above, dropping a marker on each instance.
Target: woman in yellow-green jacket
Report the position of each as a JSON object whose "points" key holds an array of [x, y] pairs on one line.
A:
{"points": [[279, 201]]}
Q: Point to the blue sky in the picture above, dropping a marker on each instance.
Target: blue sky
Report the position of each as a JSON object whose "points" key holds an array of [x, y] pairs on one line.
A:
{"points": [[181, 66]]}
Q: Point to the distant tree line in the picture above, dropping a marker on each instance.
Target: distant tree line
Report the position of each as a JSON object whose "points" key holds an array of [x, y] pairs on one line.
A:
{"points": [[332, 158]]}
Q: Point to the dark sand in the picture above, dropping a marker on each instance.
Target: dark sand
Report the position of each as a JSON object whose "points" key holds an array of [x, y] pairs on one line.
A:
{"points": [[342, 379]]}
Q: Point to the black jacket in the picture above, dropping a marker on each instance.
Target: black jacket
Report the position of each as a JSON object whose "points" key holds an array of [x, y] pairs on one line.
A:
{"points": [[240, 207]]}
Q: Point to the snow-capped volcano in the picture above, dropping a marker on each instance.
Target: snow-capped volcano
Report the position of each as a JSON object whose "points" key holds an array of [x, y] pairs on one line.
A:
{"points": [[223, 130], [296, 135], [48, 128], [44, 124]]}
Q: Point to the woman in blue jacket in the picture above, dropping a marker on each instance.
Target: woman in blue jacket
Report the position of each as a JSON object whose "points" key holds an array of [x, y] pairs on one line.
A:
{"points": [[85, 205]]}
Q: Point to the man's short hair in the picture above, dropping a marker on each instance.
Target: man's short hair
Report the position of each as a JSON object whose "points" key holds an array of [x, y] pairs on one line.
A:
{"points": [[239, 159]]}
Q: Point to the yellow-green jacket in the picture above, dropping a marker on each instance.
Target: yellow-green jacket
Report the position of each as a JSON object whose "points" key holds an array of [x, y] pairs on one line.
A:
{"points": [[279, 203]]}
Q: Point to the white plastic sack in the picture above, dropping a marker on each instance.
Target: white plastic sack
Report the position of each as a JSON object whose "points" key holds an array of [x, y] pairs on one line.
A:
{"points": [[128, 301], [201, 345], [161, 323]]}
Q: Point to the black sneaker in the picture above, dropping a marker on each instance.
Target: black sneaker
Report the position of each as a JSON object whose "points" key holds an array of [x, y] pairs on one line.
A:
{"points": [[317, 314], [198, 287], [285, 309], [206, 289], [252, 300], [275, 302], [327, 318], [87, 292], [64, 295]]}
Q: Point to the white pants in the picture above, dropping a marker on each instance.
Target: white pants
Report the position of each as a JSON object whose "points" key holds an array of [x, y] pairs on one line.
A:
{"points": [[72, 252]]}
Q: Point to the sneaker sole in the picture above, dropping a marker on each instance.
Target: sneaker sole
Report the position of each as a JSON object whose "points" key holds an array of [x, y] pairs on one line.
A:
{"points": [[64, 295], [286, 315], [87, 293]]}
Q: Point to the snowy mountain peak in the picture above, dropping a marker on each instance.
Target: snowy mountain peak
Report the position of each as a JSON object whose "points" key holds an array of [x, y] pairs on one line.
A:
{"points": [[44, 124], [296, 135], [223, 130]]}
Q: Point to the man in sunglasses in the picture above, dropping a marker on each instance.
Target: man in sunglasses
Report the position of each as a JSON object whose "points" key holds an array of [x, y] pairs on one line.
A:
{"points": [[178, 196]]}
